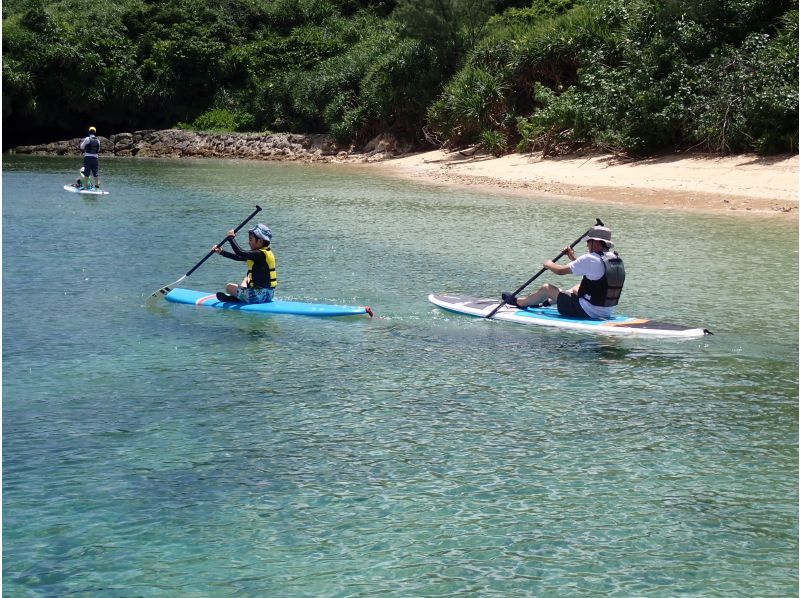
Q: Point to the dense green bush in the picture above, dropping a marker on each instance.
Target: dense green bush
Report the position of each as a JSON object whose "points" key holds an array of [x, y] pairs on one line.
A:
{"points": [[750, 94], [494, 142], [222, 119], [634, 76], [472, 101]]}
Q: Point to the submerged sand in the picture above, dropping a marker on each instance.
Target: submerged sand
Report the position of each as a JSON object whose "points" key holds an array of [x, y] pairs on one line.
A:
{"points": [[745, 184]]}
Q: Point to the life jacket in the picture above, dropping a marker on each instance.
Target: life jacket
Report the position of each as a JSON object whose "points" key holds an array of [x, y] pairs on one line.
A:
{"points": [[93, 146], [262, 276], [605, 291]]}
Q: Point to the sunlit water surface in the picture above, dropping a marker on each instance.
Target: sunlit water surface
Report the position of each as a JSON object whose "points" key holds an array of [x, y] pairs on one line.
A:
{"points": [[173, 450]]}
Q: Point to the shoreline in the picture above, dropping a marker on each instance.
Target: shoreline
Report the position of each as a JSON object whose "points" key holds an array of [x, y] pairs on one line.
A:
{"points": [[743, 184]]}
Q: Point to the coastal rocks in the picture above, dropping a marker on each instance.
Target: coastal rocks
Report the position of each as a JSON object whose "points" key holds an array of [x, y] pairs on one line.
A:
{"points": [[384, 146], [68, 147], [177, 143]]}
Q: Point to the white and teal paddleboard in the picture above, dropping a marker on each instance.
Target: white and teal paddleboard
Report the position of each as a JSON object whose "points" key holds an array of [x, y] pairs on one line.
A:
{"points": [[72, 189], [295, 308], [549, 316]]}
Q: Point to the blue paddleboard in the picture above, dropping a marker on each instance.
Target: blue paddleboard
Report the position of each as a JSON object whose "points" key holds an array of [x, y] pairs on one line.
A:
{"points": [[295, 308]]}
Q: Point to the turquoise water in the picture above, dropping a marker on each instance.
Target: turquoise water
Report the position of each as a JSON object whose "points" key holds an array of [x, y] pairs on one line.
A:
{"points": [[173, 450]]}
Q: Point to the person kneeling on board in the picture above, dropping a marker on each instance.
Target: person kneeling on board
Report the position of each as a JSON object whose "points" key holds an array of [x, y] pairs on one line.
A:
{"points": [[599, 290], [259, 284], [78, 184]]}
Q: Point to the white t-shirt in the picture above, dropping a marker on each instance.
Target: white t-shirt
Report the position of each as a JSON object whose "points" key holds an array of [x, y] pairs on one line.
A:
{"points": [[591, 266]]}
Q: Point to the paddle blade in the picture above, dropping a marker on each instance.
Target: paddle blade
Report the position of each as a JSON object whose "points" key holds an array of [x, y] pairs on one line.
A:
{"points": [[165, 290]]}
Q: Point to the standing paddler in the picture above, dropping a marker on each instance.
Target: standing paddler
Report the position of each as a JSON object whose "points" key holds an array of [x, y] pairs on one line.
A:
{"points": [[90, 147]]}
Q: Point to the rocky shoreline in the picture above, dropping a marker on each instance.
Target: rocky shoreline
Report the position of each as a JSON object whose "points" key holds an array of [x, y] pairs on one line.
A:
{"points": [[177, 143], [744, 184]]}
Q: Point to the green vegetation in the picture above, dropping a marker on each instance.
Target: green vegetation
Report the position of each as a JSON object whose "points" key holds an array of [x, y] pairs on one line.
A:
{"points": [[631, 76]]}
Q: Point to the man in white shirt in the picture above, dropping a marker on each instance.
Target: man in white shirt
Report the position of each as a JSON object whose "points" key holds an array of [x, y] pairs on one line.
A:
{"points": [[599, 290]]}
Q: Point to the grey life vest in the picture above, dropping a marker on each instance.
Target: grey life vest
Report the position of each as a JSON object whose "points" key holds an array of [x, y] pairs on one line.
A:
{"points": [[92, 147], [605, 291]]}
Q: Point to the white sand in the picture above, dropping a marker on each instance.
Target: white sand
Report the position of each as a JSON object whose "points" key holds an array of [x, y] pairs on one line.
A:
{"points": [[745, 184]]}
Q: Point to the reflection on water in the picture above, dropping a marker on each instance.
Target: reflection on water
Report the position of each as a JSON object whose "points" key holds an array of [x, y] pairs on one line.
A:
{"points": [[166, 448]]}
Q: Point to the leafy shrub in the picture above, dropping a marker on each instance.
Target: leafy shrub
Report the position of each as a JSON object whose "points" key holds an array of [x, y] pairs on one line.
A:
{"points": [[632, 77], [382, 82], [222, 119], [474, 100], [749, 95], [494, 142]]}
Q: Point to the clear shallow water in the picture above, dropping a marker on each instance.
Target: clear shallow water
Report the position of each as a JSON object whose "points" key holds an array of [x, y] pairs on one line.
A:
{"points": [[171, 450]]}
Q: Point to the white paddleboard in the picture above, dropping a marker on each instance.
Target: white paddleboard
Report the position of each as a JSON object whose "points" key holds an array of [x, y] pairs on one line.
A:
{"points": [[549, 316], [72, 189]]}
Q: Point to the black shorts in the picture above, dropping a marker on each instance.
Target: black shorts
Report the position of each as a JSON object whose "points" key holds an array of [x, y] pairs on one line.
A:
{"points": [[91, 165], [568, 305]]}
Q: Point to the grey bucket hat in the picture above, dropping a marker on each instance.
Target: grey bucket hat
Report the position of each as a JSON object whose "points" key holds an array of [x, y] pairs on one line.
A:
{"points": [[600, 233], [261, 231]]}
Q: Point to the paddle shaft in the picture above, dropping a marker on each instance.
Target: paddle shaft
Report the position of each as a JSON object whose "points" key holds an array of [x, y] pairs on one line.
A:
{"points": [[543, 270], [166, 289], [221, 243]]}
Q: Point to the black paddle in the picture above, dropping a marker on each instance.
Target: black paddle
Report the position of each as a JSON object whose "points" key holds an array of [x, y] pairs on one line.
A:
{"points": [[168, 288], [543, 270]]}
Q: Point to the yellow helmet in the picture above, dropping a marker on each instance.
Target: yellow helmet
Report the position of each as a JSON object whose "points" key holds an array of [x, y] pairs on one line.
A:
{"points": [[92, 130]]}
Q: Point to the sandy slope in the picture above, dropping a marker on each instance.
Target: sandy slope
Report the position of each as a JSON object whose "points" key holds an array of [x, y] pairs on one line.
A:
{"points": [[744, 184]]}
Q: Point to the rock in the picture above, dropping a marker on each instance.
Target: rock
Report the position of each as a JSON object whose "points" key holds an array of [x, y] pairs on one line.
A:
{"points": [[315, 147]]}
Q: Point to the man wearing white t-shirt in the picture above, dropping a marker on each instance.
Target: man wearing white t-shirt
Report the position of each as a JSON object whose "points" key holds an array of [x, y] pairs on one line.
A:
{"points": [[599, 290]]}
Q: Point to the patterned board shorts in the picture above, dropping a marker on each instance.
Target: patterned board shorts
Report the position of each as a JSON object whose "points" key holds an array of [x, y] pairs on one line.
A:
{"points": [[255, 295]]}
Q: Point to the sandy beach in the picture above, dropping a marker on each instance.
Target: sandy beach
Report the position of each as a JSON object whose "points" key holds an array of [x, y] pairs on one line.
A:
{"points": [[748, 184]]}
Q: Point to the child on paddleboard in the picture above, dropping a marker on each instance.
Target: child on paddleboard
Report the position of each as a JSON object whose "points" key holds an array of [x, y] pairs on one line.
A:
{"points": [[78, 184], [259, 284]]}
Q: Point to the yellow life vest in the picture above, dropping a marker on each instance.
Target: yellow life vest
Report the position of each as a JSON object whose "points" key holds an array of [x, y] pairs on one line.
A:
{"points": [[261, 277]]}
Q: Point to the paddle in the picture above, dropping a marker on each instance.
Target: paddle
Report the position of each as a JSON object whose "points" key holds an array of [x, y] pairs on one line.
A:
{"points": [[168, 288], [543, 270]]}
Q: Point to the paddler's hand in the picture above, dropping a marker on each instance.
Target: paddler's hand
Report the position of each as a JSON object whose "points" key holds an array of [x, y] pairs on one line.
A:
{"points": [[570, 253], [216, 249], [231, 233], [549, 264]]}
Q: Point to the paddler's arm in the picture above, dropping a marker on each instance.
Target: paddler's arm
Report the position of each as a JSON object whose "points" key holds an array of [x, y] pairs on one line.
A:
{"points": [[561, 269], [228, 254], [257, 256]]}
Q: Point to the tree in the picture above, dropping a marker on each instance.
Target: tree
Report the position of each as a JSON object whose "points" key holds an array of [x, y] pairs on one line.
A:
{"points": [[450, 27]]}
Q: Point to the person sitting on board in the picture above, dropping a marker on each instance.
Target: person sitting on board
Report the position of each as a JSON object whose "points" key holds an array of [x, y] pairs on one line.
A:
{"points": [[91, 148], [79, 181], [599, 290], [259, 284]]}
